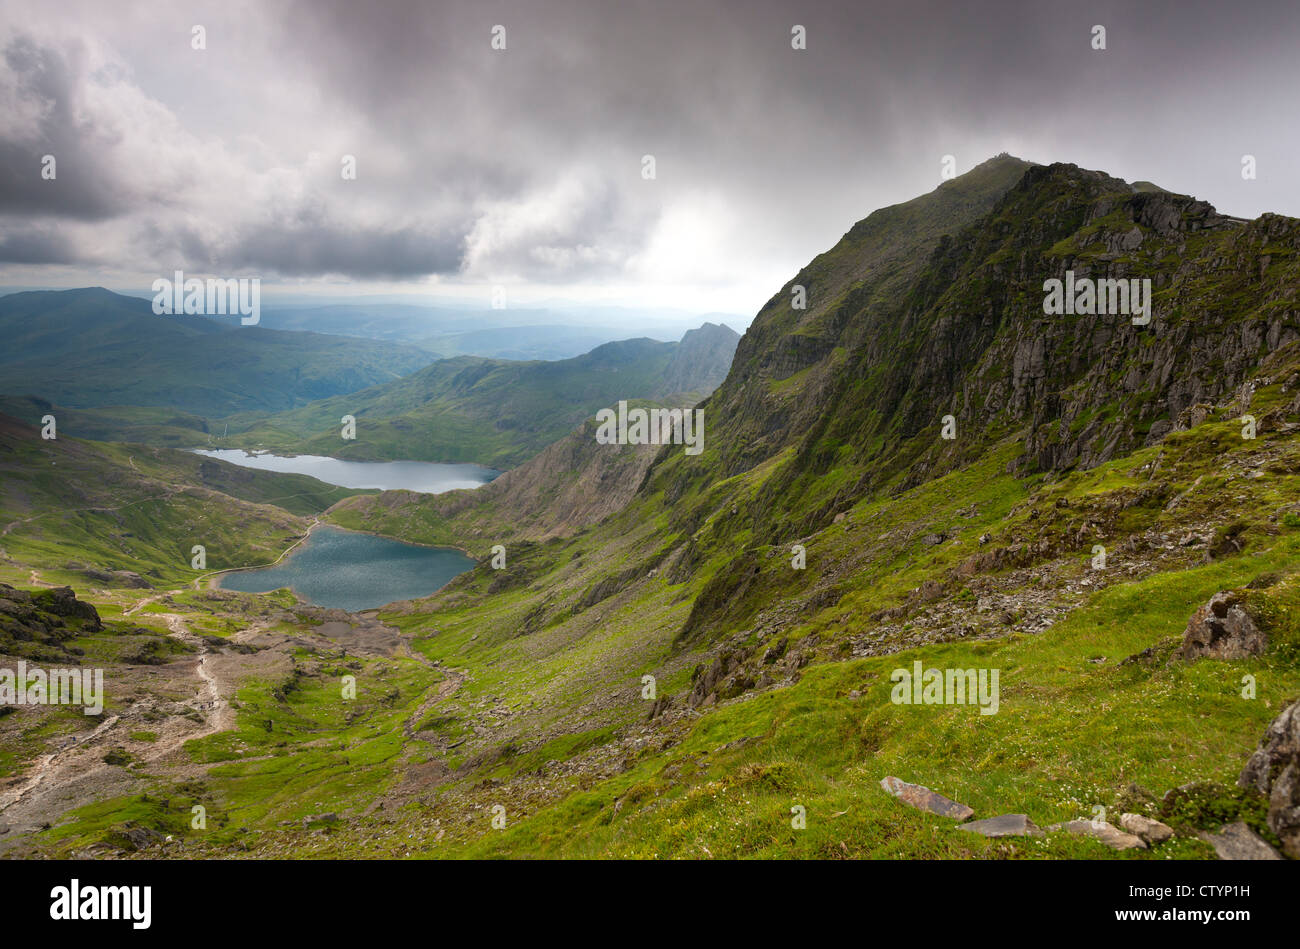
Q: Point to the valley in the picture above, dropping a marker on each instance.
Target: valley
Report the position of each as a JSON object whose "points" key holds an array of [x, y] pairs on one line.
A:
{"points": [[654, 653]]}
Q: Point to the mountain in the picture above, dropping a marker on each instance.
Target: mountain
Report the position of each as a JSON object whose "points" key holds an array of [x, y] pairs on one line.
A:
{"points": [[673, 655], [495, 412], [91, 348], [1075, 435], [571, 484]]}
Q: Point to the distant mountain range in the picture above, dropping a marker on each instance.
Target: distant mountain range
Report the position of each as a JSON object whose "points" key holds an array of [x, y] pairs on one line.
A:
{"points": [[109, 368], [91, 348], [495, 412], [544, 331]]}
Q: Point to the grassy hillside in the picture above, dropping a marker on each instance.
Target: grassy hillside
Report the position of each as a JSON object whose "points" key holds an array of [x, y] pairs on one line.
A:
{"points": [[548, 719], [67, 505], [826, 537]]}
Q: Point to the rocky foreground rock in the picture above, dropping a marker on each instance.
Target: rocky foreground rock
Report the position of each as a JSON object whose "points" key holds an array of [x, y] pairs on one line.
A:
{"points": [[1274, 770], [924, 799], [1236, 841], [37, 624], [1004, 825], [1222, 629]]}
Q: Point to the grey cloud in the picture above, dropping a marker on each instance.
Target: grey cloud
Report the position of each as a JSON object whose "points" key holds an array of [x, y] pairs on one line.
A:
{"points": [[48, 80], [362, 253], [36, 245], [794, 146]]}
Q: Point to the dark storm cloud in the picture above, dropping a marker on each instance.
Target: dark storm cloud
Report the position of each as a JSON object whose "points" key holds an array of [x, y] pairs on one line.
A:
{"points": [[47, 81], [36, 245], [526, 162]]}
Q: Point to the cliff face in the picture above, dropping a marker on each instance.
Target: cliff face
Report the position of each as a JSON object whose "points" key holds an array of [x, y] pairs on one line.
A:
{"points": [[859, 384], [700, 362], [789, 359], [1086, 387]]}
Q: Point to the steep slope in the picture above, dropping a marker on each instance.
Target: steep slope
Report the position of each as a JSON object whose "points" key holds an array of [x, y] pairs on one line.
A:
{"points": [[979, 546], [496, 412], [93, 348], [788, 357], [969, 338]]}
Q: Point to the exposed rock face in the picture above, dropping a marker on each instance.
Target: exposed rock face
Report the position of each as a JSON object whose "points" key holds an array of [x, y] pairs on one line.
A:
{"points": [[725, 678], [885, 350], [1222, 629], [133, 836], [700, 362], [1238, 842], [1274, 769], [62, 601], [922, 798], [39, 623]]}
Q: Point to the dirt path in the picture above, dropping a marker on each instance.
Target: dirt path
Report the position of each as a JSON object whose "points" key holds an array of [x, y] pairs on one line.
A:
{"points": [[197, 583], [76, 774], [46, 763], [217, 711], [444, 689]]}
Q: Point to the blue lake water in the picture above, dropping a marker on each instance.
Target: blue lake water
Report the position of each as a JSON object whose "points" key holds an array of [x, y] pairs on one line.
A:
{"points": [[424, 476], [351, 571]]}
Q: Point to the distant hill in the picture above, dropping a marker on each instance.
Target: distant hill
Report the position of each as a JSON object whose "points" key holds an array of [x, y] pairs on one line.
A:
{"points": [[495, 412], [118, 507], [92, 348], [552, 330]]}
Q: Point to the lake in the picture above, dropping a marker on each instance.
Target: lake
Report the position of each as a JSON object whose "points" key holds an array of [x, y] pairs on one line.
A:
{"points": [[351, 571], [424, 476]]}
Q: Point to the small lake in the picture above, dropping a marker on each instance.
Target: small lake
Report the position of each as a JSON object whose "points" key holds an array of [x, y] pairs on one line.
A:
{"points": [[351, 571], [424, 476]]}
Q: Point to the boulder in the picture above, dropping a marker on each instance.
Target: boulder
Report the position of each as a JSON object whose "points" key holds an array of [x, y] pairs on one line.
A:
{"points": [[1151, 831], [1004, 825], [1222, 629], [1274, 770], [138, 837], [1107, 833], [1238, 842], [924, 799], [62, 601]]}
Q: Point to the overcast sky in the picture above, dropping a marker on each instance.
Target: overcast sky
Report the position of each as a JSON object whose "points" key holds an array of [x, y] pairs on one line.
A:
{"points": [[523, 166]]}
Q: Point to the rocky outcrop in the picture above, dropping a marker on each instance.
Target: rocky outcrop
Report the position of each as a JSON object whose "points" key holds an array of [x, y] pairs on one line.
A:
{"points": [[38, 624], [1107, 833], [724, 678], [1274, 770], [1222, 629], [1238, 842]]}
